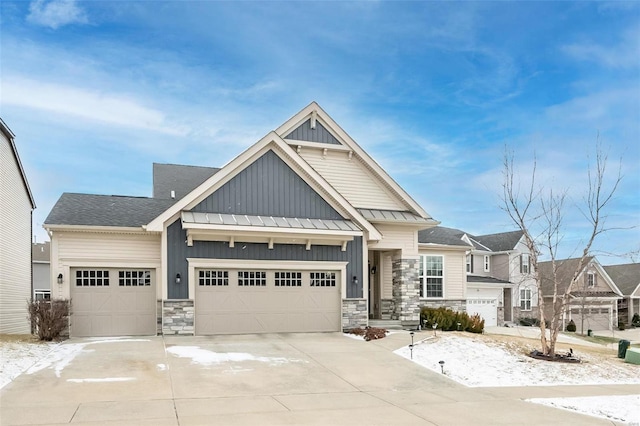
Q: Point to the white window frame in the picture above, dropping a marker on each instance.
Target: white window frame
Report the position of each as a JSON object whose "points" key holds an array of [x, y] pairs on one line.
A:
{"points": [[591, 280], [525, 263], [487, 263], [469, 264], [422, 276], [526, 296], [44, 294]]}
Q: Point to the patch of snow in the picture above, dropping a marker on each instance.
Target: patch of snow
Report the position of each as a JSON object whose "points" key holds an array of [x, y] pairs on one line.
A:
{"points": [[162, 367], [475, 363], [105, 380], [206, 357], [620, 408], [16, 357], [353, 336]]}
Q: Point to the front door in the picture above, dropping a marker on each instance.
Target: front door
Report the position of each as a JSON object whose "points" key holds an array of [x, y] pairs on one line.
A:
{"points": [[374, 285]]}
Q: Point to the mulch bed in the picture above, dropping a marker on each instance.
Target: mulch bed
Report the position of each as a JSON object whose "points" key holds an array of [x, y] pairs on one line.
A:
{"points": [[568, 358], [369, 333]]}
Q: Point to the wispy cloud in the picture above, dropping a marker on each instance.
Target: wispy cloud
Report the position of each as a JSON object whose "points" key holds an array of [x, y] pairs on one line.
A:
{"points": [[623, 54], [88, 104], [56, 13]]}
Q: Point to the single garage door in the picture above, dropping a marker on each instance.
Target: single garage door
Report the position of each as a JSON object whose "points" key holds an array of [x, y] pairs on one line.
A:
{"points": [[486, 308], [234, 301], [113, 302], [594, 318]]}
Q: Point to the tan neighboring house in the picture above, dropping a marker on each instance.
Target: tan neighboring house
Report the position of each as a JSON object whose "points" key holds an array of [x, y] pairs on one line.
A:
{"points": [[41, 270], [303, 231], [16, 207], [627, 279], [593, 303]]}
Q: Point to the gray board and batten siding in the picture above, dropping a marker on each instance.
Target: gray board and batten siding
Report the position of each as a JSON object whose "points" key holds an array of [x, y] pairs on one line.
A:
{"points": [[178, 252], [268, 187], [304, 132]]}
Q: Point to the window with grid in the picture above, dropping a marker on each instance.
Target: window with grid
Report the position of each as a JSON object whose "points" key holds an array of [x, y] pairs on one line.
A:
{"points": [[323, 279], [431, 273], [525, 299], [288, 279], [524, 263], [591, 280], [134, 278], [252, 278], [92, 278], [211, 277]]}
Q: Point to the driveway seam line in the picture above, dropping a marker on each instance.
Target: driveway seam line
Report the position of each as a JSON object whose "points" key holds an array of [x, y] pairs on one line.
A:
{"points": [[173, 396]]}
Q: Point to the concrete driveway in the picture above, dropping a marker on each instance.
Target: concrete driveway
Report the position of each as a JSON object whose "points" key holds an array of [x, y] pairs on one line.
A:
{"points": [[317, 379]]}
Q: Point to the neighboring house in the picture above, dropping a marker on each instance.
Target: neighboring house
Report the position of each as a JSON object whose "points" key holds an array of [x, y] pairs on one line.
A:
{"points": [[16, 207], [496, 274], [41, 270], [284, 238], [627, 279], [593, 302]]}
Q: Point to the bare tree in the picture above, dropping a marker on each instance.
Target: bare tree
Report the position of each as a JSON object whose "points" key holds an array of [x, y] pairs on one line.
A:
{"points": [[539, 213]]}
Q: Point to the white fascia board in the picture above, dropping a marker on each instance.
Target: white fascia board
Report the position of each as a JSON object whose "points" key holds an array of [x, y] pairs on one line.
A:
{"points": [[317, 145], [607, 278], [87, 228], [326, 120]]}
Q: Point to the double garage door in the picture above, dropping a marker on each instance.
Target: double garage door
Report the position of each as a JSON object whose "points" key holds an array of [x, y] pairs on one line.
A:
{"points": [[113, 302], [235, 301], [486, 308]]}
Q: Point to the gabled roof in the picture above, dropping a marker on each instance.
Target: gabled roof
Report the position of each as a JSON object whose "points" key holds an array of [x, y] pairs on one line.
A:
{"points": [[503, 241], [314, 112], [442, 235], [11, 138], [626, 277], [275, 143], [178, 178], [565, 270], [41, 252], [105, 210]]}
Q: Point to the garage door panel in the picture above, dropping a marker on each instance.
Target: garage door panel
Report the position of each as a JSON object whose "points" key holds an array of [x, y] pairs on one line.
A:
{"points": [[486, 308], [125, 303], [292, 306]]}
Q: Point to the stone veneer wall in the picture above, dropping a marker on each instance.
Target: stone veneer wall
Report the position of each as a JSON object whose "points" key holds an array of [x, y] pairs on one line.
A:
{"points": [[458, 305], [177, 317], [406, 291], [354, 313], [386, 308], [159, 317]]}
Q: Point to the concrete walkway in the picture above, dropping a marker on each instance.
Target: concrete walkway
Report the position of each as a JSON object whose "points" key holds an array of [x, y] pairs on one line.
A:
{"points": [[306, 379]]}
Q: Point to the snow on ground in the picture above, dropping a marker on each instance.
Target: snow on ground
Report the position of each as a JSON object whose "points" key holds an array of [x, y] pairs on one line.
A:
{"points": [[478, 362], [16, 357], [481, 362], [207, 357]]}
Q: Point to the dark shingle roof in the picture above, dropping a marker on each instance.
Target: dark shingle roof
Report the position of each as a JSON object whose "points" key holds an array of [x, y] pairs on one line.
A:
{"points": [[442, 235], [500, 242], [105, 210], [565, 271], [178, 178], [480, 279], [626, 277], [41, 252]]}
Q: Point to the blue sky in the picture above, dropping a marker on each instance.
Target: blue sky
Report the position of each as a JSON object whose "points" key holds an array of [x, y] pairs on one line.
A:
{"points": [[97, 91]]}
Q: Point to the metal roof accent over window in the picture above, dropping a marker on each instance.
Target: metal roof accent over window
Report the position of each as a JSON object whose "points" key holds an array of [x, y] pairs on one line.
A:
{"points": [[268, 221], [392, 216]]}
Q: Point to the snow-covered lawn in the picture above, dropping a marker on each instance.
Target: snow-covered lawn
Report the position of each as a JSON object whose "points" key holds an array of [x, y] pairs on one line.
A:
{"points": [[16, 356], [488, 361]]}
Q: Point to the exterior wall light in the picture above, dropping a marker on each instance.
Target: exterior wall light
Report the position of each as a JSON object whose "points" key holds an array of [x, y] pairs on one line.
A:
{"points": [[178, 279], [60, 279], [354, 281]]}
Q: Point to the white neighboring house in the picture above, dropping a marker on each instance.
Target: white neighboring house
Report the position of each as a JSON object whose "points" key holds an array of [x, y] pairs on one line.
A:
{"points": [[16, 207], [41, 270]]}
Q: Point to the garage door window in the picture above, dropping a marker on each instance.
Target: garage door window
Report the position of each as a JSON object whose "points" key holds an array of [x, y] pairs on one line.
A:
{"points": [[288, 279], [323, 279], [92, 278], [134, 278], [252, 278], [213, 278]]}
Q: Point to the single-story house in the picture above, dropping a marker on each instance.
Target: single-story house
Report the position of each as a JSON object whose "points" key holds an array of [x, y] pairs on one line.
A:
{"points": [[303, 231], [593, 300], [627, 279]]}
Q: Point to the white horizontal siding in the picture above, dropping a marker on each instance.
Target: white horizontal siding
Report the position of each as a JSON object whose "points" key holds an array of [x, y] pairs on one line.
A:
{"points": [[397, 238], [15, 245], [387, 276], [74, 249], [351, 179]]}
